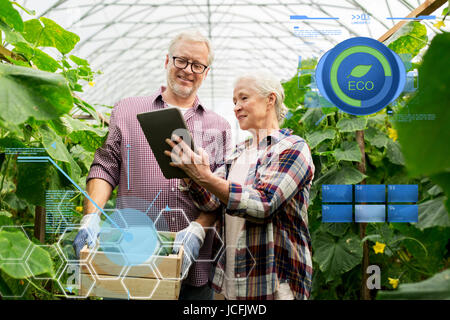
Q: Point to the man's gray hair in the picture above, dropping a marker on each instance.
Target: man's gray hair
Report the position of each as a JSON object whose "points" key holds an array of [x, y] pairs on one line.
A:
{"points": [[193, 35], [265, 84]]}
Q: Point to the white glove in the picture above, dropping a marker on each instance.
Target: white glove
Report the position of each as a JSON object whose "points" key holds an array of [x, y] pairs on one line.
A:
{"points": [[192, 239], [89, 230]]}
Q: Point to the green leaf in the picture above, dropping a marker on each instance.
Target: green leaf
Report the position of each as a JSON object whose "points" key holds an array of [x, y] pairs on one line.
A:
{"points": [[394, 153], [4, 213], [316, 137], [360, 70], [86, 107], [79, 61], [42, 60], [10, 142], [10, 15], [50, 35], [26, 92], [89, 137], [11, 36], [297, 89], [434, 190], [58, 151], [79, 153], [32, 30], [376, 119], [40, 262], [15, 270], [433, 213], [336, 255], [33, 179], [344, 175], [335, 229], [5, 221], [435, 288], [54, 145], [443, 180], [412, 41], [351, 125], [13, 244], [78, 125], [19, 63], [32, 182], [349, 151], [375, 137], [14, 202]]}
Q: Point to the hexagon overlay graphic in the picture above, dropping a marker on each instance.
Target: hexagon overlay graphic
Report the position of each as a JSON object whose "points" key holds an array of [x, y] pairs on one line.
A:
{"points": [[23, 284], [28, 245], [134, 286], [72, 278], [55, 254]]}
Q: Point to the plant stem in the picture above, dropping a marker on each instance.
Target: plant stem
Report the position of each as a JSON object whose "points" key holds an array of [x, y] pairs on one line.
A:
{"points": [[4, 175], [38, 288], [406, 263]]}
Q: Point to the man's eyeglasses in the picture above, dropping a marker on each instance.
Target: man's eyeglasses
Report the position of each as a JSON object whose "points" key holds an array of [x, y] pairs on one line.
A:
{"points": [[196, 67]]}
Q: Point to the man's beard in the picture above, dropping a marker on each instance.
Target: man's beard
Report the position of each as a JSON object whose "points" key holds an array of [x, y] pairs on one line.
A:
{"points": [[178, 89]]}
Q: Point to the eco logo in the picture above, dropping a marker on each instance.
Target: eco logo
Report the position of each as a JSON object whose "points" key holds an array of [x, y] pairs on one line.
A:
{"points": [[360, 76]]}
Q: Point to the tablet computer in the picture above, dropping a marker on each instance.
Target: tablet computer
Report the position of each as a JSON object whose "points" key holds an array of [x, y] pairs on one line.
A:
{"points": [[158, 126]]}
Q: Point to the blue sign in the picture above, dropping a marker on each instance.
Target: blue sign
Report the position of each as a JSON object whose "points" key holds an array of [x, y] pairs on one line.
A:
{"points": [[337, 193], [370, 193], [360, 76], [337, 213]]}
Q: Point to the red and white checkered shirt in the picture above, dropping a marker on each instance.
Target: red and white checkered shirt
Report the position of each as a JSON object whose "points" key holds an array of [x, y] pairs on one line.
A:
{"points": [[126, 160]]}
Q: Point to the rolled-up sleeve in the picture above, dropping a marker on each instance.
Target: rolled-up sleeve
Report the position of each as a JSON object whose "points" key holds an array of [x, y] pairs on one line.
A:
{"points": [[279, 181], [107, 159]]}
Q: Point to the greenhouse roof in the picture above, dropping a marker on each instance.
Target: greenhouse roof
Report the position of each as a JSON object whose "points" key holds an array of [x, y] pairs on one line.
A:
{"points": [[128, 39]]}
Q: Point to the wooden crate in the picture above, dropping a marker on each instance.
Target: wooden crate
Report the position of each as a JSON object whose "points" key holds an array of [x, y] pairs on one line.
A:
{"points": [[140, 280]]}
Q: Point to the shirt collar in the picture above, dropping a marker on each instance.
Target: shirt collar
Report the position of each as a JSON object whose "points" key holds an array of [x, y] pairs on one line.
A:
{"points": [[158, 98]]}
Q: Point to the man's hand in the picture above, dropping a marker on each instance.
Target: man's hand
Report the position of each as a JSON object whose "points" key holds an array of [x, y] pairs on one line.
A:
{"points": [[192, 239], [90, 228]]}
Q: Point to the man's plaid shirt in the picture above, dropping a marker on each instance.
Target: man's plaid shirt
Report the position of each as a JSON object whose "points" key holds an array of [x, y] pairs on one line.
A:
{"points": [[275, 242], [127, 161]]}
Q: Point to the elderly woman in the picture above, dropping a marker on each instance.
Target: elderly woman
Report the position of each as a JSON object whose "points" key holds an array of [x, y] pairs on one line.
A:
{"points": [[264, 190]]}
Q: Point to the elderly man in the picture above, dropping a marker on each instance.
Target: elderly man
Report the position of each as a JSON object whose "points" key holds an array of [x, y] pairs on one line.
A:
{"points": [[126, 160]]}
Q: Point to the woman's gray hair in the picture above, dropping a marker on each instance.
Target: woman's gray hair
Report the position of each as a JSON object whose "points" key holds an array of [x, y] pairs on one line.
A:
{"points": [[193, 35], [265, 84]]}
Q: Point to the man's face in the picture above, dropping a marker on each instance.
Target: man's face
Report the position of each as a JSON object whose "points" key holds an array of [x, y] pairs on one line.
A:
{"points": [[185, 83]]}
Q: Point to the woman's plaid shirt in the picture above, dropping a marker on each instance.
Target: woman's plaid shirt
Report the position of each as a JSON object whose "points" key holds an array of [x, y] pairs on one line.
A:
{"points": [[275, 242]]}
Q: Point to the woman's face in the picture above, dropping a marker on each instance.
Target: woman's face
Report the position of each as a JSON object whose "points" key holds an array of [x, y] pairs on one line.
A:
{"points": [[251, 109]]}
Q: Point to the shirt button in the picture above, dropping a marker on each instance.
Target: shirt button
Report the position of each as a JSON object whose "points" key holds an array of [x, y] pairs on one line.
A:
{"points": [[173, 189]]}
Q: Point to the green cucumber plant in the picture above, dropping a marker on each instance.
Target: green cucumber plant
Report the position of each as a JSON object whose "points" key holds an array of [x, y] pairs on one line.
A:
{"points": [[38, 96], [410, 252]]}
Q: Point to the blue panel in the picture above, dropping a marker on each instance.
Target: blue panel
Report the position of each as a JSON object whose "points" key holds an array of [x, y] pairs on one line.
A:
{"points": [[337, 213], [370, 193], [403, 193], [337, 193], [403, 213], [370, 213]]}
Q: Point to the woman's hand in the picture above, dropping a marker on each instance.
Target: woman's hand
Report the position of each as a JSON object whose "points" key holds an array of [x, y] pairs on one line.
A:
{"points": [[196, 165]]}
